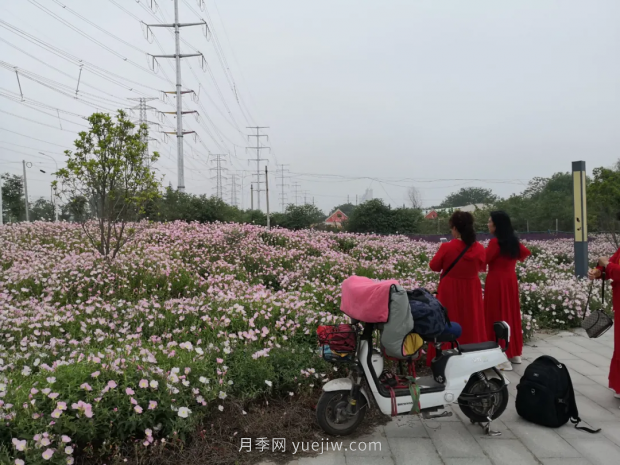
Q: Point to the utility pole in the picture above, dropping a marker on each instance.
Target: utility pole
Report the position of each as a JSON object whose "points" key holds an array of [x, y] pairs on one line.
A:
{"points": [[26, 191], [177, 56], [296, 187], [267, 196], [251, 196], [142, 107], [218, 176], [233, 191], [258, 159], [282, 186]]}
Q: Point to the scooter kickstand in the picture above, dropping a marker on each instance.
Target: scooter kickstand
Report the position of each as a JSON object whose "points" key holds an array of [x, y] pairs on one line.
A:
{"points": [[428, 416], [488, 431]]}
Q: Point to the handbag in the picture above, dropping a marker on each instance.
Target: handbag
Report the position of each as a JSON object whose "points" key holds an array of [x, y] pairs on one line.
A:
{"points": [[598, 322]]}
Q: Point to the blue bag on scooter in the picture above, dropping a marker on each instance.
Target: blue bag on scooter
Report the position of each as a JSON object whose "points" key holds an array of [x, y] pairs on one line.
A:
{"points": [[430, 317]]}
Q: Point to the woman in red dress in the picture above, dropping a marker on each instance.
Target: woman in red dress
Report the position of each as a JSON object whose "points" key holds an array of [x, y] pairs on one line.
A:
{"points": [[461, 292], [501, 290], [611, 267]]}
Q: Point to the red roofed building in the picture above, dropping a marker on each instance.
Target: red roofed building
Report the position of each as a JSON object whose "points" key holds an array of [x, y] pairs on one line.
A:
{"points": [[432, 215], [336, 219]]}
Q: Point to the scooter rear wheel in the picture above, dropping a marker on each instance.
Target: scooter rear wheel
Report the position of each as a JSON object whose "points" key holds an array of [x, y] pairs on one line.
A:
{"points": [[332, 416], [478, 410]]}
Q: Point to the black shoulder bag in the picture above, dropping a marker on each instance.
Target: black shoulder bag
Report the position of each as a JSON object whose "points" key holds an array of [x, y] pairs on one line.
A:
{"points": [[598, 322]]}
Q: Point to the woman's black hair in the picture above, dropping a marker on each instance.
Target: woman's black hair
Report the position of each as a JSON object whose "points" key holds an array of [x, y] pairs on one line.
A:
{"points": [[464, 224], [505, 234]]}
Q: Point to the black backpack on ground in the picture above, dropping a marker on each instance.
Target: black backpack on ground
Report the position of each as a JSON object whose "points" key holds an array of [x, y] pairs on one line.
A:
{"points": [[545, 395]]}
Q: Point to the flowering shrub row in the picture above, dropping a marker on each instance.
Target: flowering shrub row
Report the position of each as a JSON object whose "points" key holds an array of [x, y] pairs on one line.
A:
{"points": [[96, 354]]}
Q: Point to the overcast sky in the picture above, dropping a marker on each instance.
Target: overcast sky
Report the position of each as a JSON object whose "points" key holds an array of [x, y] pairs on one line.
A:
{"points": [[404, 92]]}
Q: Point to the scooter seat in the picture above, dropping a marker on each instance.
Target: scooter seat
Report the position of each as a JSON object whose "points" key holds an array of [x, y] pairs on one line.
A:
{"points": [[478, 347]]}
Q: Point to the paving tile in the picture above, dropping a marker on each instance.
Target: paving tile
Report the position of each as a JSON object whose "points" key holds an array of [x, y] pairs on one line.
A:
{"points": [[542, 442], [577, 378], [570, 346], [362, 460], [598, 451], [324, 459], [603, 380], [406, 427], [601, 395], [596, 359], [591, 411], [407, 451], [453, 440], [467, 461], [508, 451], [565, 461], [611, 431], [585, 368]]}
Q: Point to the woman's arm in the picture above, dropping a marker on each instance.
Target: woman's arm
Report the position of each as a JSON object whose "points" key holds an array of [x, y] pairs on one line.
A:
{"points": [[524, 252], [491, 252], [436, 263]]}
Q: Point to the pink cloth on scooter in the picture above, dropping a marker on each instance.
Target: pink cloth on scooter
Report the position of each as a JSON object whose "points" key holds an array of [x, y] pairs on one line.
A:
{"points": [[366, 300]]}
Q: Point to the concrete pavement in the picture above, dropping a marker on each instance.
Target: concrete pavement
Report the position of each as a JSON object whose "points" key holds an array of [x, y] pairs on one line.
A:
{"points": [[454, 441]]}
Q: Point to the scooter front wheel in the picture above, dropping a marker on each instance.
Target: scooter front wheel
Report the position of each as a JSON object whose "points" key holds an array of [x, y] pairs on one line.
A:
{"points": [[332, 415]]}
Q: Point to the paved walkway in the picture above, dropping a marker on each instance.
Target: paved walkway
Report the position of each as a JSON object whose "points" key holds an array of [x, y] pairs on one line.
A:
{"points": [[454, 441]]}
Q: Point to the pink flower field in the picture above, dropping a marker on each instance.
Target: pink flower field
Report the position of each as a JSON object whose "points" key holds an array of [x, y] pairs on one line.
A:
{"points": [[95, 354]]}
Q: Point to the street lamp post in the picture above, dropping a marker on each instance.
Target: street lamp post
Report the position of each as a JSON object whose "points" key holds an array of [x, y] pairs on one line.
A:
{"points": [[53, 198]]}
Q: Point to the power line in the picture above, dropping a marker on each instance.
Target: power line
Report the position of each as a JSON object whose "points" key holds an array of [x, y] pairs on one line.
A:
{"points": [[219, 158], [33, 138], [282, 185]]}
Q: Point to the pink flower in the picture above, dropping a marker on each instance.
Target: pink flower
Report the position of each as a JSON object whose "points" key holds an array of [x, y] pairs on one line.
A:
{"points": [[61, 406], [95, 374], [129, 392], [112, 384], [138, 409], [219, 360], [152, 405], [56, 413], [143, 383], [66, 439], [53, 395], [47, 454], [86, 387]]}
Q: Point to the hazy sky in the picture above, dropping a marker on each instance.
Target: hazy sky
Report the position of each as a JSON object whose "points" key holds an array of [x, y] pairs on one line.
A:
{"points": [[404, 92]]}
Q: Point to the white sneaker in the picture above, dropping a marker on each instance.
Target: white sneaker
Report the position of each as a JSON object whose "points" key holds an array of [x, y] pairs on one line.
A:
{"points": [[506, 366], [516, 360]]}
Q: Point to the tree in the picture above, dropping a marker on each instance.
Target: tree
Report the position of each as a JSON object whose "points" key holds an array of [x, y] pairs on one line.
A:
{"points": [[603, 198], [110, 168], [301, 216], [374, 216], [469, 196], [346, 208], [42, 210], [414, 198], [13, 198]]}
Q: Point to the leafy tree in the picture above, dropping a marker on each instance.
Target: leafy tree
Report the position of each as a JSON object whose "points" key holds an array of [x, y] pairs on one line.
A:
{"points": [[13, 198], [374, 216], [42, 210], [302, 216], [469, 196], [406, 220], [110, 167], [346, 208], [76, 209], [603, 198]]}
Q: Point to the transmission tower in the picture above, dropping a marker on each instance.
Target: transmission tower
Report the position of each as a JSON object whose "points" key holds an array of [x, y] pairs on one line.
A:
{"points": [[219, 186], [142, 107], [233, 191], [296, 186], [281, 184], [258, 159], [177, 56]]}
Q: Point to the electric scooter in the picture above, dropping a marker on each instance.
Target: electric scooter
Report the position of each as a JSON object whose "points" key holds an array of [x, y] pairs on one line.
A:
{"points": [[464, 374]]}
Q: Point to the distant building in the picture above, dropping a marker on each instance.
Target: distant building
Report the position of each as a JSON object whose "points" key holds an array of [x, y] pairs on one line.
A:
{"points": [[367, 196], [432, 213], [336, 219]]}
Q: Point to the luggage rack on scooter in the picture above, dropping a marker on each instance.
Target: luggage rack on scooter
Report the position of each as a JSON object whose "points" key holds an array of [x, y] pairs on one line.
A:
{"points": [[338, 342]]}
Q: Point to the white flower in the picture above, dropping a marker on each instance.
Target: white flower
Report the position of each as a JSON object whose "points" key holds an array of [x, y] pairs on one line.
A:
{"points": [[221, 408], [184, 412], [68, 450], [222, 395], [203, 380], [268, 383], [26, 371], [154, 384]]}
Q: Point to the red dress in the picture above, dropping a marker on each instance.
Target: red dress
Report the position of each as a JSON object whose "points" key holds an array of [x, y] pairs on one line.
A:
{"points": [[613, 272], [461, 292], [501, 295]]}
